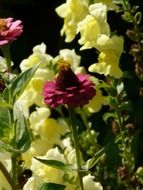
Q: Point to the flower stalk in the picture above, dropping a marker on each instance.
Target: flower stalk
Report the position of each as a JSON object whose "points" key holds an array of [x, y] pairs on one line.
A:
{"points": [[14, 169], [6, 53], [76, 144]]}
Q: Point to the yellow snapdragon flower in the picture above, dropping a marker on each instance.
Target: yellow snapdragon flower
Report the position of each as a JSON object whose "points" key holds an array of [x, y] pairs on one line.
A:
{"points": [[38, 56], [108, 64], [93, 25], [73, 11], [43, 173], [110, 49], [96, 103], [114, 43], [42, 128]]}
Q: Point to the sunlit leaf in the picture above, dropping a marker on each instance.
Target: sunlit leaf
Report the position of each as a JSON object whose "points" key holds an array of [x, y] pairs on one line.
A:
{"points": [[17, 86], [22, 138], [138, 17], [5, 119], [56, 164], [108, 115], [91, 162]]}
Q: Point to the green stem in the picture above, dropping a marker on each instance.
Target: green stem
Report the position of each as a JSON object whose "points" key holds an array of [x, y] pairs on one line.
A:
{"points": [[7, 176], [118, 113], [13, 170], [76, 144], [127, 8], [6, 53], [119, 117], [84, 119]]}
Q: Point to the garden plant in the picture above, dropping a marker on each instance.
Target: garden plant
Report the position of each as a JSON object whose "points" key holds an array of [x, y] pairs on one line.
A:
{"points": [[74, 121]]}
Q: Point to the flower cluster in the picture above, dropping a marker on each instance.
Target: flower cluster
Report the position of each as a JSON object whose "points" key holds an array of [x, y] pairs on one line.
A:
{"points": [[67, 126], [95, 33]]}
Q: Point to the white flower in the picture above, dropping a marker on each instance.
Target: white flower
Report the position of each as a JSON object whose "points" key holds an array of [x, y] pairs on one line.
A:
{"points": [[54, 154], [32, 183], [48, 173], [34, 90], [90, 184], [99, 11], [74, 59], [109, 3], [46, 133], [38, 117], [70, 56], [114, 44], [39, 56]]}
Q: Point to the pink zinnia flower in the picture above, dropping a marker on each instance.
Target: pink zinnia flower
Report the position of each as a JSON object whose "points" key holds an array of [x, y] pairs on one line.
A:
{"points": [[9, 30], [68, 88]]}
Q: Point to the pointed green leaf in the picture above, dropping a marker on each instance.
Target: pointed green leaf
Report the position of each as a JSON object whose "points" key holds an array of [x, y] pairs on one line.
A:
{"points": [[120, 88], [51, 186], [138, 17], [108, 115], [126, 106], [22, 138], [5, 120], [5, 104], [91, 162], [5, 146], [17, 86], [56, 164]]}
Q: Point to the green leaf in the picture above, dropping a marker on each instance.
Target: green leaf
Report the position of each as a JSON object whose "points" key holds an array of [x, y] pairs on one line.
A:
{"points": [[108, 115], [91, 162], [6, 146], [120, 88], [51, 186], [17, 86], [3, 103], [56, 164], [22, 138], [126, 106], [5, 120], [138, 17]]}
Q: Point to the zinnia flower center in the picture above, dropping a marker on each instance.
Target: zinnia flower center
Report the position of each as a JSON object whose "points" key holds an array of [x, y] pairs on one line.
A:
{"points": [[3, 24], [66, 77]]}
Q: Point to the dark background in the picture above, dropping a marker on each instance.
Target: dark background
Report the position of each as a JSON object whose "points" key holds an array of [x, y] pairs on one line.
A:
{"points": [[41, 24]]}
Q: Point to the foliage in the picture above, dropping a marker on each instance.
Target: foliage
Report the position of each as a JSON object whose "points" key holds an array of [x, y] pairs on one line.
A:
{"points": [[93, 143]]}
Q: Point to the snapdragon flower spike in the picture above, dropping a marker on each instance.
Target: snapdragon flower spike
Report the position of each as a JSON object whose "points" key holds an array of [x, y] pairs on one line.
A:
{"points": [[9, 30], [68, 88]]}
